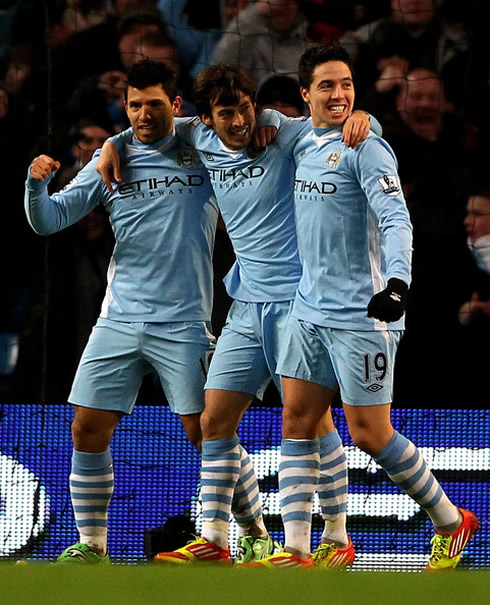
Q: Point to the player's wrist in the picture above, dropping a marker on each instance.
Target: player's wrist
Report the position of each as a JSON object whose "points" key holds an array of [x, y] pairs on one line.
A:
{"points": [[398, 286]]}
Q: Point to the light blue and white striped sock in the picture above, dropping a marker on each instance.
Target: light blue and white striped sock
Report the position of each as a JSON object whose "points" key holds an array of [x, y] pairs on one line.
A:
{"points": [[246, 507], [299, 470], [333, 486], [91, 489], [405, 466], [220, 471]]}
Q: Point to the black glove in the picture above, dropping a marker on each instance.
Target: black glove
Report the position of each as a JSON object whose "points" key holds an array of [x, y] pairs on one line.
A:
{"points": [[389, 304]]}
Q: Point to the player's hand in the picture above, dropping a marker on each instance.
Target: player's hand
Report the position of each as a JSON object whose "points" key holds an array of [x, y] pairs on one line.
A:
{"points": [[43, 167], [473, 310], [263, 135], [112, 84], [393, 71], [109, 165], [389, 304], [356, 128]]}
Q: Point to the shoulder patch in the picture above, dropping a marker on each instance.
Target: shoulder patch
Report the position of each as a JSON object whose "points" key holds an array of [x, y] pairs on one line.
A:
{"points": [[390, 184]]}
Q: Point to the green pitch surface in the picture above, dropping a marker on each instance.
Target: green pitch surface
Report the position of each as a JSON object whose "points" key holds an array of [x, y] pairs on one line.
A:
{"points": [[39, 583]]}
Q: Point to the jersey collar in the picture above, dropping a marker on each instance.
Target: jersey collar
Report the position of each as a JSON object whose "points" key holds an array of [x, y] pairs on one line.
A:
{"points": [[161, 145]]}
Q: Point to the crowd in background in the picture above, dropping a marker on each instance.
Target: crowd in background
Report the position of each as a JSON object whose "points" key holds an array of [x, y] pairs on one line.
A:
{"points": [[422, 69]]}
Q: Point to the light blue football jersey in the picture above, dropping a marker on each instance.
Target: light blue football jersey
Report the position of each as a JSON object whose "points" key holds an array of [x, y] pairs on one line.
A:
{"points": [[164, 217], [257, 205], [353, 227], [255, 198]]}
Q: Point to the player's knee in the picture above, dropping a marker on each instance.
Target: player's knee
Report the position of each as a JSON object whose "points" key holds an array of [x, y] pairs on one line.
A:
{"points": [[87, 434], [206, 423], [219, 427], [298, 424], [364, 439], [83, 426], [195, 437]]}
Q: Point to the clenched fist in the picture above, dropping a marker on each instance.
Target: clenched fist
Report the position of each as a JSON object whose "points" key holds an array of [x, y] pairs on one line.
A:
{"points": [[389, 304], [42, 167]]}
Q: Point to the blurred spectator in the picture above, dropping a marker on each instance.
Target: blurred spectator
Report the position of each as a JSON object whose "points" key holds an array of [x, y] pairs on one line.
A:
{"points": [[131, 27], [415, 32], [160, 48], [477, 224], [20, 83], [266, 39], [196, 28], [436, 152], [8, 9], [326, 17], [427, 135], [281, 93], [101, 97], [19, 251], [87, 136], [475, 87], [328, 20], [67, 306], [63, 314], [100, 48], [81, 14], [76, 16]]}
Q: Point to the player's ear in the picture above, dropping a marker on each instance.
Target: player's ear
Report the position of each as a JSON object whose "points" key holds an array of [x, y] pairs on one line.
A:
{"points": [[305, 94], [177, 104], [207, 119]]}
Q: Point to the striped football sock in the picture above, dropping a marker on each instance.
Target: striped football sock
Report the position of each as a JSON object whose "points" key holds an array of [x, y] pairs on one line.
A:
{"points": [[405, 466], [333, 488], [299, 469], [91, 488], [246, 506], [220, 471]]}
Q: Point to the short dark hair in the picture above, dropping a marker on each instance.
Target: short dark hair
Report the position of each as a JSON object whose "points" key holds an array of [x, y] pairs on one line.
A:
{"points": [[480, 187], [318, 54], [281, 88], [147, 72], [221, 84]]}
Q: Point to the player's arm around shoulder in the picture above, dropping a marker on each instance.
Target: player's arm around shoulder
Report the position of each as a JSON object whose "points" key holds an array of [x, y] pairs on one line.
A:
{"points": [[189, 129], [287, 130], [109, 161], [358, 126]]}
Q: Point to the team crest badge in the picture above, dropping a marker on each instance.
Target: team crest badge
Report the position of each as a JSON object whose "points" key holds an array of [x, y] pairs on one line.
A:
{"points": [[333, 159], [188, 159], [389, 184]]}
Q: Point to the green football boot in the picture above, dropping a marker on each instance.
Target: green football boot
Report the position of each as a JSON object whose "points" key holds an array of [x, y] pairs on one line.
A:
{"points": [[82, 554], [253, 549]]}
